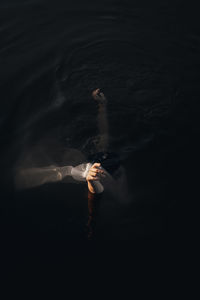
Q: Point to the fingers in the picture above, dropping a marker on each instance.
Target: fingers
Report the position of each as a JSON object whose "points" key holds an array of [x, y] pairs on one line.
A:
{"points": [[95, 170], [96, 165], [98, 95], [91, 178], [95, 92], [95, 173]]}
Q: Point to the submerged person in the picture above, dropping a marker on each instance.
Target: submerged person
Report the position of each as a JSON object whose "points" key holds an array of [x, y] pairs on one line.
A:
{"points": [[104, 162], [103, 170]]}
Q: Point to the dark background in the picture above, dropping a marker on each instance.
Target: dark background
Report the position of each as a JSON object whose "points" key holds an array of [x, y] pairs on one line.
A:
{"points": [[145, 57]]}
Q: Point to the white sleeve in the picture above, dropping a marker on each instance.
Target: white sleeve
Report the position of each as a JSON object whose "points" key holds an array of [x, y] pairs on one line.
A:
{"points": [[79, 172], [33, 177]]}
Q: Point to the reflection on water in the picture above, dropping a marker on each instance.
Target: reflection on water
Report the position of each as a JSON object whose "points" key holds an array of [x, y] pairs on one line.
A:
{"points": [[93, 205]]}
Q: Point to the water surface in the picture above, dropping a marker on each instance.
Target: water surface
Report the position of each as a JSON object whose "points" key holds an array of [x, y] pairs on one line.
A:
{"points": [[145, 58]]}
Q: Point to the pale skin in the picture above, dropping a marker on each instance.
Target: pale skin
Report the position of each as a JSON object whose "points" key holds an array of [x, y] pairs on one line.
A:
{"points": [[94, 174], [99, 96]]}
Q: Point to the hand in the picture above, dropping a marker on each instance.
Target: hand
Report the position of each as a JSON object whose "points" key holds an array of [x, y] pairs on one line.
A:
{"points": [[99, 96], [94, 172]]}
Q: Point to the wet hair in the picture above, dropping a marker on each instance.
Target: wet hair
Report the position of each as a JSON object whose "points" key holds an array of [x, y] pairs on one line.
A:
{"points": [[109, 160]]}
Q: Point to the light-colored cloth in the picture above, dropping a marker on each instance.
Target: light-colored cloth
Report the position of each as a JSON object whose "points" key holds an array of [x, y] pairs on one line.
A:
{"points": [[33, 177]]}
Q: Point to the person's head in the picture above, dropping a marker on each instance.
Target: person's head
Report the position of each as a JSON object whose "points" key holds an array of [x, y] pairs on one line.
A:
{"points": [[108, 160]]}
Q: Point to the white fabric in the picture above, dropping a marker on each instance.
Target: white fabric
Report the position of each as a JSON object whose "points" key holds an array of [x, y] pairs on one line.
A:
{"points": [[80, 173]]}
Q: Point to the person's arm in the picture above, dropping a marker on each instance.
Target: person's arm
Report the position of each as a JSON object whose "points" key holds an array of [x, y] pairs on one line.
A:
{"points": [[102, 121], [91, 187], [93, 207], [33, 177]]}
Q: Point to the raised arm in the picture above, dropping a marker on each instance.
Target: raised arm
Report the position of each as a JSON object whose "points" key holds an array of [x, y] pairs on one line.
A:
{"points": [[102, 122]]}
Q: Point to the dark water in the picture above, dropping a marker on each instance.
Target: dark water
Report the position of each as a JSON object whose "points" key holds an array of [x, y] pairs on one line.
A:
{"points": [[145, 57]]}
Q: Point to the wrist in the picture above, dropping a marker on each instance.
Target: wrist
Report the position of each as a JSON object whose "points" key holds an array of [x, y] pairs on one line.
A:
{"points": [[91, 187]]}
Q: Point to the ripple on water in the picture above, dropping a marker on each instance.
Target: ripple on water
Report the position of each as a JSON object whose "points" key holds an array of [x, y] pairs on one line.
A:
{"points": [[134, 83]]}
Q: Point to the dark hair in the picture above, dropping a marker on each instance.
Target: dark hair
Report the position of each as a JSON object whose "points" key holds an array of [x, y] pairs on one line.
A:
{"points": [[109, 160]]}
